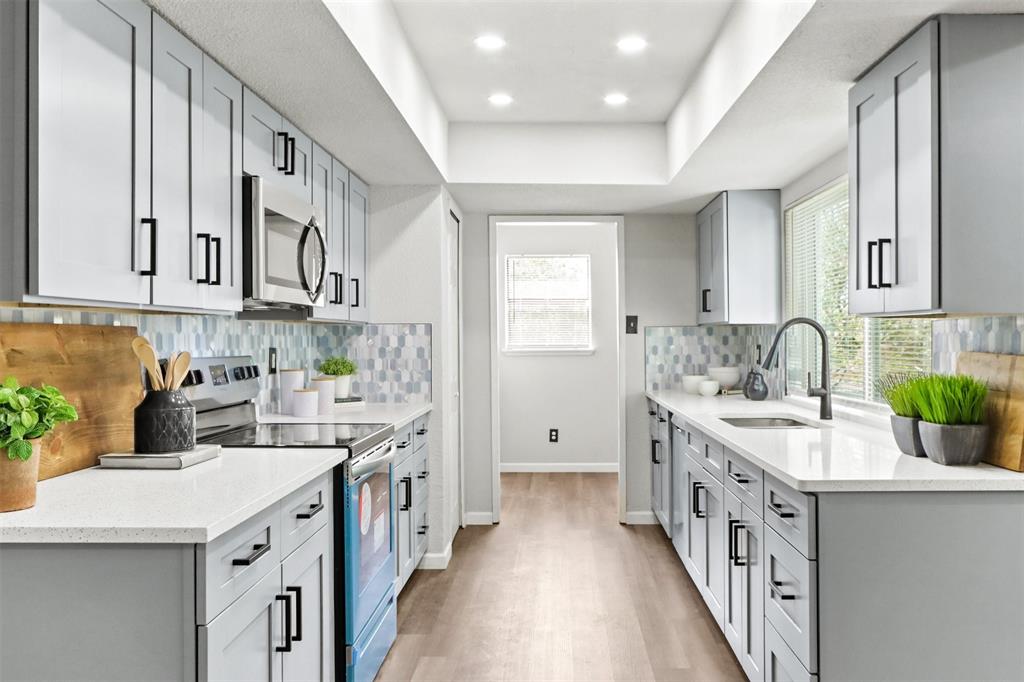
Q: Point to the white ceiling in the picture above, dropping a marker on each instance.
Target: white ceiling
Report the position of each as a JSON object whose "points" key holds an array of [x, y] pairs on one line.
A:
{"points": [[560, 58]]}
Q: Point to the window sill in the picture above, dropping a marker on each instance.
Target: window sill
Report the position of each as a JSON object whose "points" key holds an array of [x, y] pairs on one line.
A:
{"points": [[550, 351]]}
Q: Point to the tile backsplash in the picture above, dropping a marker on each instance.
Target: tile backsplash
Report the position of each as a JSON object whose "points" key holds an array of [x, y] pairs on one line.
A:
{"points": [[984, 334], [393, 360]]}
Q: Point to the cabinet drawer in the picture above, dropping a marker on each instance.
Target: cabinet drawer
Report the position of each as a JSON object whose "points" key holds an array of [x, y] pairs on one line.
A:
{"points": [[791, 597], [745, 481], [693, 443], [712, 457], [404, 445], [780, 663], [234, 562], [420, 428], [421, 473], [792, 514], [420, 529], [304, 512]]}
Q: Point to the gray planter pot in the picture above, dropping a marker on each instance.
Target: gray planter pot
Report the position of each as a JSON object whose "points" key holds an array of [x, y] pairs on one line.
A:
{"points": [[908, 435], [954, 444]]}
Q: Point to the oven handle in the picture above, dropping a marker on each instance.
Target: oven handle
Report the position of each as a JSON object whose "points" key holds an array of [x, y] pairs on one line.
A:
{"points": [[315, 229], [358, 469]]}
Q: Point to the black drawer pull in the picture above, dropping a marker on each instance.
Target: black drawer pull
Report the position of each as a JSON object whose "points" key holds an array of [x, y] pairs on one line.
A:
{"points": [[704, 300], [402, 446], [882, 284], [774, 586], [257, 552], [291, 154], [654, 452], [215, 282], [407, 503], [777, 509], [422, 432], [871, 267], [287, 599], [205, 237], [152, 246], [695, 502], [284, 152], [739, 477], [314, 509], [662, 420], [423, 474], [651, 412], [298, 611], [422, 530]]}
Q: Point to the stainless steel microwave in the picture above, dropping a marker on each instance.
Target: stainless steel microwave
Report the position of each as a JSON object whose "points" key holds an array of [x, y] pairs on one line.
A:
{"points": [[284, 250]]}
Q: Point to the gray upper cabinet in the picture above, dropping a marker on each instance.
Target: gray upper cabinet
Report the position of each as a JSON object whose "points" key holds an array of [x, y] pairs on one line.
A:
{"points": [[937, 123], [298, 177], [330, 194], [90, 236], [264, 140], [358, 231], [738, 247]]}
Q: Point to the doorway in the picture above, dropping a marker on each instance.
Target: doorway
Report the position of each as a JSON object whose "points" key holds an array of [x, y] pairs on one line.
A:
{"points": [[556, 363]]}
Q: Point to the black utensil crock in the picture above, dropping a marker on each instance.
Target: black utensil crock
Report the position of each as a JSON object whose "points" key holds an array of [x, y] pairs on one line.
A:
{"points": [[165, 421]]}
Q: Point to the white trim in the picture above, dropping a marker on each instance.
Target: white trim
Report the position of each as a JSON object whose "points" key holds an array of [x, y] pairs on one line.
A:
{"points": [[550, 351], [495, 373], [437, 561], [640, 518], [620, 351], [558, 467], [484, 518]]}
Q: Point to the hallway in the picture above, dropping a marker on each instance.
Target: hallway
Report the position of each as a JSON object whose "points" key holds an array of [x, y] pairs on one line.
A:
{"points": [[559, 590]]}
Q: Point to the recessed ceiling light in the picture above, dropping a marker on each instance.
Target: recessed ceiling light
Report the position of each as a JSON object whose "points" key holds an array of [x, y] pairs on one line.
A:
{"points": [[500, 99], [489, 42], [615, 99], [632, 44]]}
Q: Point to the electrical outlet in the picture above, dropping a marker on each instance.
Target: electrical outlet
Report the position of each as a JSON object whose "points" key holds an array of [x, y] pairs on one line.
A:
{"points": [[552, 435], [631, 324], [272, 361]]}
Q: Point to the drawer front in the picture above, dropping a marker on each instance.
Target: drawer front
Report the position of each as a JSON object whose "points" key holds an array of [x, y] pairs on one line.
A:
{"points": [[304, 512], [791, 597], [404, 444], [420, 429], [780, 663], [421, 473], [745, 481], [713, 457], [792, 514], [694, 445], [420, 530], [236, 561]]}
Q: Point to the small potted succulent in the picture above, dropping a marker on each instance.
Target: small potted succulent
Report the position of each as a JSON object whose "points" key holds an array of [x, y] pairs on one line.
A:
{"points": [[342, 369], [27, 414], [898, 391], [952, 410]]}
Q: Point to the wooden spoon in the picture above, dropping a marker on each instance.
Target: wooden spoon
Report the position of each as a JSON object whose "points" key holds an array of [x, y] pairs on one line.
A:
{"points": [[169, 371], [147, 356], [180, 369]]}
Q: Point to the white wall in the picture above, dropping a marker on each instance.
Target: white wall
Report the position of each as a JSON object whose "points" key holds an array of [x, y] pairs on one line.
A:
{"points": [[576, 394], [832, 168]]}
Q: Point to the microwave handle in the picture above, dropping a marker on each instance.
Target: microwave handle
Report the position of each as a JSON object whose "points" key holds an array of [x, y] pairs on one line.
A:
{"points": [[315, 229]]}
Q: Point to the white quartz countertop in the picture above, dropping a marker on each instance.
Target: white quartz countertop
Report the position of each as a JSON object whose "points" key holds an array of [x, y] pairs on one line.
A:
{"points": [[398, 414], [844, 456], [193, 505]]}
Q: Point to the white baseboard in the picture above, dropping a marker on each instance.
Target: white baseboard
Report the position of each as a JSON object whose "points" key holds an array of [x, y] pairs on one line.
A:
{"points": [[640, 518], [560, 467], [485, 518], [437, 561]]}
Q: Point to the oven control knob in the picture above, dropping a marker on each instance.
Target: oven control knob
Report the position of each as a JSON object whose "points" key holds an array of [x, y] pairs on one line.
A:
{"points": [[239, 373], [196, 377], [255, 370]]}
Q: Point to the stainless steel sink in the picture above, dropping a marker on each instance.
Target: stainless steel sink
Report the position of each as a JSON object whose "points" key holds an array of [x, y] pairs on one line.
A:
{"points": [[768, 423]]}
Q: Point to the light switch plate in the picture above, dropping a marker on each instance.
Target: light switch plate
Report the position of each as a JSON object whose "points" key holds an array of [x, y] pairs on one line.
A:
{"points": [[631, 324]]}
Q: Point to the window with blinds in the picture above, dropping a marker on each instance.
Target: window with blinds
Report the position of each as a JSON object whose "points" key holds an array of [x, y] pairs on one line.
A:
{"points": [[817, 240], [547, 303]]}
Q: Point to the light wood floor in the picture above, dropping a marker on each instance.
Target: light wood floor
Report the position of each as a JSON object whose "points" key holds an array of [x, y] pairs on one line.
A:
{"points": [[559, 590]]}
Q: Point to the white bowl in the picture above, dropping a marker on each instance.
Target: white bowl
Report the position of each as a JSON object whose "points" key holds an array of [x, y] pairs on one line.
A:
{"points": [[708, 388], [727, 377], [691, 382]]}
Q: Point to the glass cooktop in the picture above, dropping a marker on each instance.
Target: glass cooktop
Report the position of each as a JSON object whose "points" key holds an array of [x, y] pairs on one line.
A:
{"points": [[355, 437]]}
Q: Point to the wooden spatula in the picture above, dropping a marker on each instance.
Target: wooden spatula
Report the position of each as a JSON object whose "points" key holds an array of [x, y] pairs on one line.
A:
{"points": [[169, 371], [179, 369], [147, 356]]}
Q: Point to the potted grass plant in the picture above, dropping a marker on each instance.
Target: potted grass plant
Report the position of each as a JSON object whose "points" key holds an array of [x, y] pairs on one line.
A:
{"points": [[898, 391], [27, 414], [342, 369], [952, 412]]}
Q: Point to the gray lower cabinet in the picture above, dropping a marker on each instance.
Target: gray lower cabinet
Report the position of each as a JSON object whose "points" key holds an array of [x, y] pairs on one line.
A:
{"points": [[780, 663], [306, 575], [412, 497], [705, 556], [743, 622]]}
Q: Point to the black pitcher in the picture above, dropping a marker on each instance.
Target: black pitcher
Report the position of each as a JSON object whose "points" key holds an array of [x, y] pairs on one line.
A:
{"points": [[165, 421], [755, 387]]}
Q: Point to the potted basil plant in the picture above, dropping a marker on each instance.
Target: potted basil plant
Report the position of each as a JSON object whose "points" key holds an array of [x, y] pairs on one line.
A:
{"points": [[898, 391], [952, 411], [27, 414], [342, 369]]}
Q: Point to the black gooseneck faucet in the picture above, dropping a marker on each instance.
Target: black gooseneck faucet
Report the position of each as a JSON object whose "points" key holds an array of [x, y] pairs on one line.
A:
{"points": [[824, 392]]}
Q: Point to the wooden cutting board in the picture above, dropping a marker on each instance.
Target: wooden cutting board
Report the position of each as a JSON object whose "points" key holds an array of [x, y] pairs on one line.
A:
{"points": [[94, 367], [1004, 375]]}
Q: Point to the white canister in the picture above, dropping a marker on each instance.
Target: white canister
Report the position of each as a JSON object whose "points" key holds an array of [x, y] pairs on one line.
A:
{"points": [[290, 381], [305, 402], [343, 386], [325, 387]]}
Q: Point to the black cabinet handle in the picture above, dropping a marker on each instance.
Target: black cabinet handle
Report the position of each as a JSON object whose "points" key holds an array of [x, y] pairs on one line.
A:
{"points": [[290, 146], [651, 412], [407, 503], [654, 451], [704, 300], [257, 552], [284, 152], [287, 599], [336, 280], [662, 420], [735, 525], [882, 284], [422, 432], [402, 446], [778, 510], [355, 303], [298, 611], [341, 288], [774, 586], [695, 501], [152, 246], [423, 475], [739, 477], [871, 266], [422, 530], [205, 238], [314, 509], [216, 281]]}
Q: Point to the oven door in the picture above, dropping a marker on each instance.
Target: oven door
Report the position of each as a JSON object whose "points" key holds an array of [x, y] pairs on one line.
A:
{"points": [[369, 536], [289, 249]]}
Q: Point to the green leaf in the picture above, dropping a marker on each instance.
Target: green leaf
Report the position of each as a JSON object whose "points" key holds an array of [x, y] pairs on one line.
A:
{"points": [[29, 419], [20, 449], [11, 383]]}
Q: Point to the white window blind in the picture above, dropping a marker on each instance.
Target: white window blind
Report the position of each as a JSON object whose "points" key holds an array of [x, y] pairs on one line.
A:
{"points": [[816, 286], [547, 303]]}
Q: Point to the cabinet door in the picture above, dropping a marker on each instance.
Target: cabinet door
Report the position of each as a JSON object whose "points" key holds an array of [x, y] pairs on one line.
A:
{"points": [[219, 212], [680, 498], [299, 175], [872, 197], [306, 576], [404, 482], [263, 139], [325, 198], [704, 266], [182, 248], [713, 265], [242, 642], [339, 230], [358, 234], [716, 552], [749, 551], [732, 621], [695, 555], [665, 481], [909, 266], [92, 162], [656, 456]]}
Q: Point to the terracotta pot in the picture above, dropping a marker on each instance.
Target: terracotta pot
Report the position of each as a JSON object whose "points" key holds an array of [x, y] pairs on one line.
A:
{"points": [[18, 479]]}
